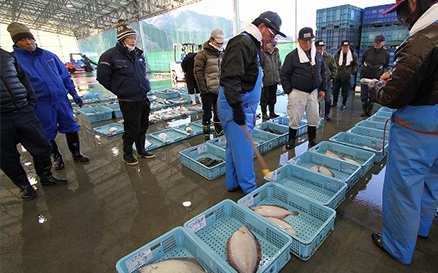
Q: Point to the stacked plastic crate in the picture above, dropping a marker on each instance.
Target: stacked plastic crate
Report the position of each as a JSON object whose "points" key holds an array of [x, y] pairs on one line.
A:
{"points": [[374, 23], [339, 23]]}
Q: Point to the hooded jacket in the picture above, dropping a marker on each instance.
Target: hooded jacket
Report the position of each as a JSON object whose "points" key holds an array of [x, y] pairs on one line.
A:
{"points": [[16, 91], [207, 69], [414, 77], [123, 73], [47, 74], [272, 67]]}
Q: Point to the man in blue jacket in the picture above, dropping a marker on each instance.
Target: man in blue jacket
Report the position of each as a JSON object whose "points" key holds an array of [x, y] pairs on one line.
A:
{"points": [[51, 82], [122, 70]]}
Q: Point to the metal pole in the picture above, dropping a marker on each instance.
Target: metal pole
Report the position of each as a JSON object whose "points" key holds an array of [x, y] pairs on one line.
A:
{"points": [[140, 34], [296, 20], [236, 18]]}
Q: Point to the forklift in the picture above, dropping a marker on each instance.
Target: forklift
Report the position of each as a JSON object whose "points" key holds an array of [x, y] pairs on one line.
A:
{"points": [[79, 62]]}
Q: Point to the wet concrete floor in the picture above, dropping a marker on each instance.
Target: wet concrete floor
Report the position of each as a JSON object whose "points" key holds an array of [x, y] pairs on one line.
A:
{"points": [[109, 209]]}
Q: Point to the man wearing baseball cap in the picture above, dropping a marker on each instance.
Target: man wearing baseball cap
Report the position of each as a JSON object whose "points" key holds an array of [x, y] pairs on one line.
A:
{"points": [[51, 82], [374, 62], [303, 77], [122, 70], [239, 96], [332, 71], [207, 71]]}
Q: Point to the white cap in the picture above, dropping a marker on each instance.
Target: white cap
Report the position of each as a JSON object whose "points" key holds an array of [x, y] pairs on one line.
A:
{"points": [[218, 35]]}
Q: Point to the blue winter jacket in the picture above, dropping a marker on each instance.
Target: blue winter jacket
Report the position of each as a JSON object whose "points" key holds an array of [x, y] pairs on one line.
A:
{"points": [[47, 74], [123, 73]]}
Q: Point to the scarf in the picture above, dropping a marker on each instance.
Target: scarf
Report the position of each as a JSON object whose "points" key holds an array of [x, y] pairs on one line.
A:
{"points": [[220, 49], [303, 56], [429, 17], [349, 58], [254, 31]]}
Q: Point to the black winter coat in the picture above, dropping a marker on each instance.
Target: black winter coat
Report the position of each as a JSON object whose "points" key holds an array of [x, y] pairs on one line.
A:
{"points": [[414, 77], [374, 62], [16, 91], [123, 73], [301, 76]]}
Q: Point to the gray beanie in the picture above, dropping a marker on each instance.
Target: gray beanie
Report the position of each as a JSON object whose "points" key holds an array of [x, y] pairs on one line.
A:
{"points": [[19, 31], [124, 30]]}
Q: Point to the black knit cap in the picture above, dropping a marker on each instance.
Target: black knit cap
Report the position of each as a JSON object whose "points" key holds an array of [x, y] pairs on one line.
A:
{"points": [[124, 30]]}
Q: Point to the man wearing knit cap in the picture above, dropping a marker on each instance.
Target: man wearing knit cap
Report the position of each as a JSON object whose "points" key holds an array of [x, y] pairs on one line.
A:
{"points": [[52, 82], [239, 95], [122, 70]]}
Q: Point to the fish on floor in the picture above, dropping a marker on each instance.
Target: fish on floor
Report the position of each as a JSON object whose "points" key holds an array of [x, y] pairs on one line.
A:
{"points": [[174, 265], [273, 211], [243, 251], [283, 224]]}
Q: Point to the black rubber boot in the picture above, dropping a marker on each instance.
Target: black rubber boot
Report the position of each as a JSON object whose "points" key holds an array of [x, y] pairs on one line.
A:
{"points": [[42, 168], [58, 163], [19, 178], [311, 133], [364, 108], [73, 145], [206, 130], [128, 157], [370, 108], [292, 136], [327, 111], [141, 151], [272, 113], [219, 131], [264, 112]]}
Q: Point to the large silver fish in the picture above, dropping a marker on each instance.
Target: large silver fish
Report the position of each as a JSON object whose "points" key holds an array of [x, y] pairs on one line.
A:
{"points": [[243, 251], [174, 265], [273, 211]]}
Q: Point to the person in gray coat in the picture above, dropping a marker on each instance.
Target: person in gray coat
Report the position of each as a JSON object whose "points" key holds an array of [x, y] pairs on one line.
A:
{"points": [[207, 74], [271, 78]]}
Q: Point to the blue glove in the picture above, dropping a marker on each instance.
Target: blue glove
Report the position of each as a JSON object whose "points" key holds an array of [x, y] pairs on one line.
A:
{"points": [[78, 100], [238, 114]]}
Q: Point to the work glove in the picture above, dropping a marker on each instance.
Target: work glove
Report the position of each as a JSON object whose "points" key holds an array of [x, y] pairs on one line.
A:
{"points": [[238, 114], [78, 100]]}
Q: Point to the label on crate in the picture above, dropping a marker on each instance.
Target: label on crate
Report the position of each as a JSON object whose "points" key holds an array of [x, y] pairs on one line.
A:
{"points": [[222, 142], [273, 175], [197, 224], [249, 201], [284, 158], [138, 260], [202, 149], [292, 162]]}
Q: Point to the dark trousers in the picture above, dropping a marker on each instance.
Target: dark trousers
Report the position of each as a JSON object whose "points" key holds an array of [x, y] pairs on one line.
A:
{"points": [[136, 123], [192, 86], [209, 105], [345, 85], [364, 93], [269, 95], [22, 127]]}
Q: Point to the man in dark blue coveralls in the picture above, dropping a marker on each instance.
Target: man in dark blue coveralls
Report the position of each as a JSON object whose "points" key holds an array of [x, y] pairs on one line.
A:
{"points": [[51, 82], [239, 95]]}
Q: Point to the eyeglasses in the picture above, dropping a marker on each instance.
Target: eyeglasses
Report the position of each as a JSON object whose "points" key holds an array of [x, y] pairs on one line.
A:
{"points": [[272, 33]]}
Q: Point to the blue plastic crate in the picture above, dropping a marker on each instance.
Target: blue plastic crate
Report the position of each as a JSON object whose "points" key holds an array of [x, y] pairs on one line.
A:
{"points": [[334, 37], [196, 127], [281, 130], [372, 16], [172, 135], [344, 171], [188, 99], [214, 227], [285, 121], [365, 158], [360, 141], [267, 141], [369, 132], [322, 189], [395, 35], [374, 125], [345, 16], [96, 113], [167, 94], [378, 119], [189, 158], [313, 225], [175, 243], [117, 113], [386, 109], [221, 143], [104, 130], [383, 114], [91, 96]]}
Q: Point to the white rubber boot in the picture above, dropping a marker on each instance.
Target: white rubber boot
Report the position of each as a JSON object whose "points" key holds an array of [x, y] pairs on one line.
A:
{"points": [[193, 98]]}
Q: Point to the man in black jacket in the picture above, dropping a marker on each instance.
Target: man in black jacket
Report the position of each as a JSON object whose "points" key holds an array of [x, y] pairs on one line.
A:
{"points": [[303, 77], [239, 96], [122, 70], [188, 65], [19, 124], [374, 62]]}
